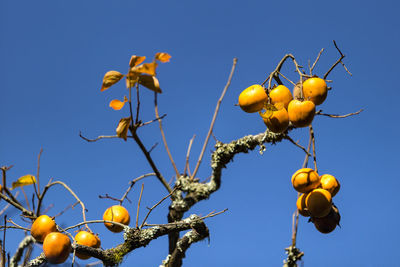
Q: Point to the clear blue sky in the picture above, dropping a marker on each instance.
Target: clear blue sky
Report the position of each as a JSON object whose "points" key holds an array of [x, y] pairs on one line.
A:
{"points": [[55, 53]]}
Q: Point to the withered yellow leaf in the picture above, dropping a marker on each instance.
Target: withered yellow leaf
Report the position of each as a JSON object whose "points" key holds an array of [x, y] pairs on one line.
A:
{"points": [[136, 60], [24, 180], [123, 127], [131, 79], [267, 111], [163, 57], [150, 82], [146, 68], [117, 104], [110, 78]]}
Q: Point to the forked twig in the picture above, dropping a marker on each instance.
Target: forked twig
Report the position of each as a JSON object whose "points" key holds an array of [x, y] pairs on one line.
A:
{"points": [[213, 119], [319, 112], [337, 62]]}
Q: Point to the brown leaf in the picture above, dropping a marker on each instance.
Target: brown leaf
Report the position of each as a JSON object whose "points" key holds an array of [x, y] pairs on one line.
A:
{"points": [[146, 68], [163, 57], [117, 104], [123, 127], [136, 60], [131, 79], [110, 78], [150, 82]]}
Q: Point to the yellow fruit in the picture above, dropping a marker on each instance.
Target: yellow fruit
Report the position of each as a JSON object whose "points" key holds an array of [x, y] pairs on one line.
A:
{"points": [[278, 121], [328, 223], [319, 202], [305, 180], [118, 214], [42, 226], [56, 247], [87, 239], [252, 99], [301, 113], [330, 183], [281, 94], [315, 90], [301, 205]]}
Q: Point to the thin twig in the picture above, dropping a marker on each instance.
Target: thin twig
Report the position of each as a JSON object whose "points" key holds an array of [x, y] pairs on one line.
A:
{"points": [[296, 144], [163, 135], [154, 146], [319, 112], [37, 174], [26, 197], [154, 206], [156, 119], [137, 104], [337, 62], [132, 183], [187, 156], [70, 206], [213, 119], [3, 253], [286, 78], [100, 137], [316, 60], [313, 148], [138, 207]]}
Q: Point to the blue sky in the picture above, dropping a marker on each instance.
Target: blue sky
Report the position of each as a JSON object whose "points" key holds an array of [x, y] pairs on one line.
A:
{"points": [[53, 58]]}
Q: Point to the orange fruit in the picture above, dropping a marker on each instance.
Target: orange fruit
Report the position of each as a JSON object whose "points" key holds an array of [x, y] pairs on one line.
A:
{"points": [[252, 99], [328, 223], [319, 202], [305, 180], [315, 90], [87, 239], [277, 121], [281, 94], [56, 247], [301, 205], [301, 113], [42, 226], [330, 183], [118, 214]]}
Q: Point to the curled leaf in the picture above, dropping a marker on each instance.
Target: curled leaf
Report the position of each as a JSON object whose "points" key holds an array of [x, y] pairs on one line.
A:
{"points": [[267, 111], [146, 68], [117, 104], [24, 180], [150, 82], [131, 79], [163, 57], [136, 60], [110, 78], [123, 127]]}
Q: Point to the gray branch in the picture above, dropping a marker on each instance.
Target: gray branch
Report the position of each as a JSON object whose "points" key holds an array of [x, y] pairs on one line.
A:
{"points": [[20, 250]]}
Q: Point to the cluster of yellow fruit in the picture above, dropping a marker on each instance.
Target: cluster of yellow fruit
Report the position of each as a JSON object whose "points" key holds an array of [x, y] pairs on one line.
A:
{"points": [[57, 246], [316, 198], [280, 107]]}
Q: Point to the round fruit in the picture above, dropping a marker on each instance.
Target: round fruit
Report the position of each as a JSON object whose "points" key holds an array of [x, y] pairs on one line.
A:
{"points": [[56, 247], [301, 113], [319, 202], [98, 242], [328, 223], [305, 180], [281, 94], [301, 205], [330, 183], [116, 214], [252, 99], [277, 122], [87, 239], [42, 226], [315, 90]]}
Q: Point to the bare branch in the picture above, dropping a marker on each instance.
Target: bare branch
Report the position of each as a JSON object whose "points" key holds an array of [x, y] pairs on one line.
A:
{"points": [[337, 62], [100, 137], [319, 112], [313, 148], [138, 206], [213, 119], [187, 157], [296, 144], [163, 135], [316, 61], [28, 240]]}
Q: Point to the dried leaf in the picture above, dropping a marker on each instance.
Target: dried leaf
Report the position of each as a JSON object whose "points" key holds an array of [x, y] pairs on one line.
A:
{"points": [[150, 82], [146, 68], [163, 57], [131, 79], [110, 78], [123, 127], [24, 180], [267, 111], [117, 104], [136, 60]]}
